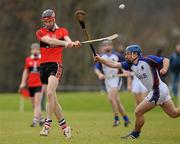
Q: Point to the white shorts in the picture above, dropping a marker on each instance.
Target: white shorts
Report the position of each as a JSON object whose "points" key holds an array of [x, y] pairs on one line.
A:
{"points": [[113, 83], [137, 86], [164, 94]]}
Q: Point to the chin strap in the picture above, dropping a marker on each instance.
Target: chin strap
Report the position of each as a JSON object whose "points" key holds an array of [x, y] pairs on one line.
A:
{"points": [[134, 58]]}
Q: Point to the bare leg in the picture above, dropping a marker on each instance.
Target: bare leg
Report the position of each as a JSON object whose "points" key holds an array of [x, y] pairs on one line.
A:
{"points": [[117, 107], [140, 110], [120, 106], [37, 104], [58, 110], [112, 100], [51, 92], [138, 97], [32, 101], [116, 104], [44, 89], [43, 99], [170, 109], [122, 111], [38, 118]]}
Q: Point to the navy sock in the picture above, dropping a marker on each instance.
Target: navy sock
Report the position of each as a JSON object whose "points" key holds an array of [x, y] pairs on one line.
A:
{"points": [[116, 118], [125, 118], [135, 133]]}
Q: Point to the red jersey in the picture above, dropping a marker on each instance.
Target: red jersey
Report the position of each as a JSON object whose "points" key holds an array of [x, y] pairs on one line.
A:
{"points": [[50, 53], [32, 65]]}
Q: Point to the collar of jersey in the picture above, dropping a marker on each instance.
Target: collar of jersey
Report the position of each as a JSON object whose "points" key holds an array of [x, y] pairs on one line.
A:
{"points": [[55, 27]]}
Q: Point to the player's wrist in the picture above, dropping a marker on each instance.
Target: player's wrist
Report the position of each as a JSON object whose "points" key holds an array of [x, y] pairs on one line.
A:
{"points": [[69, 45], [21, 86], [66, 44]]}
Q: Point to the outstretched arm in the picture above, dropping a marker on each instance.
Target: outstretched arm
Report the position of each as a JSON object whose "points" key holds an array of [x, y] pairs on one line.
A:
{"points": [[55, 42], [111, 64], [165, 66]]}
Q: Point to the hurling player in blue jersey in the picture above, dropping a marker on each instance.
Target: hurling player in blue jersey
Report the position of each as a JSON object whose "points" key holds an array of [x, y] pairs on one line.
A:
{"points": [[147, 70]]}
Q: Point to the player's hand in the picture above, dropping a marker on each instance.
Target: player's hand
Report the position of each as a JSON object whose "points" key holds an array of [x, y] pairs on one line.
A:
{"points": [[96, 58], [77, 44], [21, 86], [163, 71], [19, 90], [101, 76]]}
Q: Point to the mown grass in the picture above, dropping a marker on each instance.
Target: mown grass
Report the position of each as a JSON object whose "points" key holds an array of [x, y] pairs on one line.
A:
{"points": [[90, 116]]}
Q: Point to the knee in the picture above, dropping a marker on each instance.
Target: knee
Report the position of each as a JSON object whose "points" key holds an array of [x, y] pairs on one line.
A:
{"points": [[111, 99], [49, 93], [36, 104], [137, 113]]}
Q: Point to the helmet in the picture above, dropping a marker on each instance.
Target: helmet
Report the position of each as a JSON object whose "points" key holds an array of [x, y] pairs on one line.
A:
{"points": [[134, 48], [48, 15]]}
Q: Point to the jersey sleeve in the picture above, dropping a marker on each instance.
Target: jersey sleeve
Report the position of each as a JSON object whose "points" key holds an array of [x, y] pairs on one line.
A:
{"points": [[64, 32], [126, 65], [121, 58], [40, 34], [98, 66], [156, 59]]}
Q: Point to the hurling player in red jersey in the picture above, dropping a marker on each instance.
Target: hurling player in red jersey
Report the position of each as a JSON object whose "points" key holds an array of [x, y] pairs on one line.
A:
{"points": [[31, 79], [52, 40]]}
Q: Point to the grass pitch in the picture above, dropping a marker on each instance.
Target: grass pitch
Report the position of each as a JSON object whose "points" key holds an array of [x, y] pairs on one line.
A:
{"points": [[90, 116]]}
